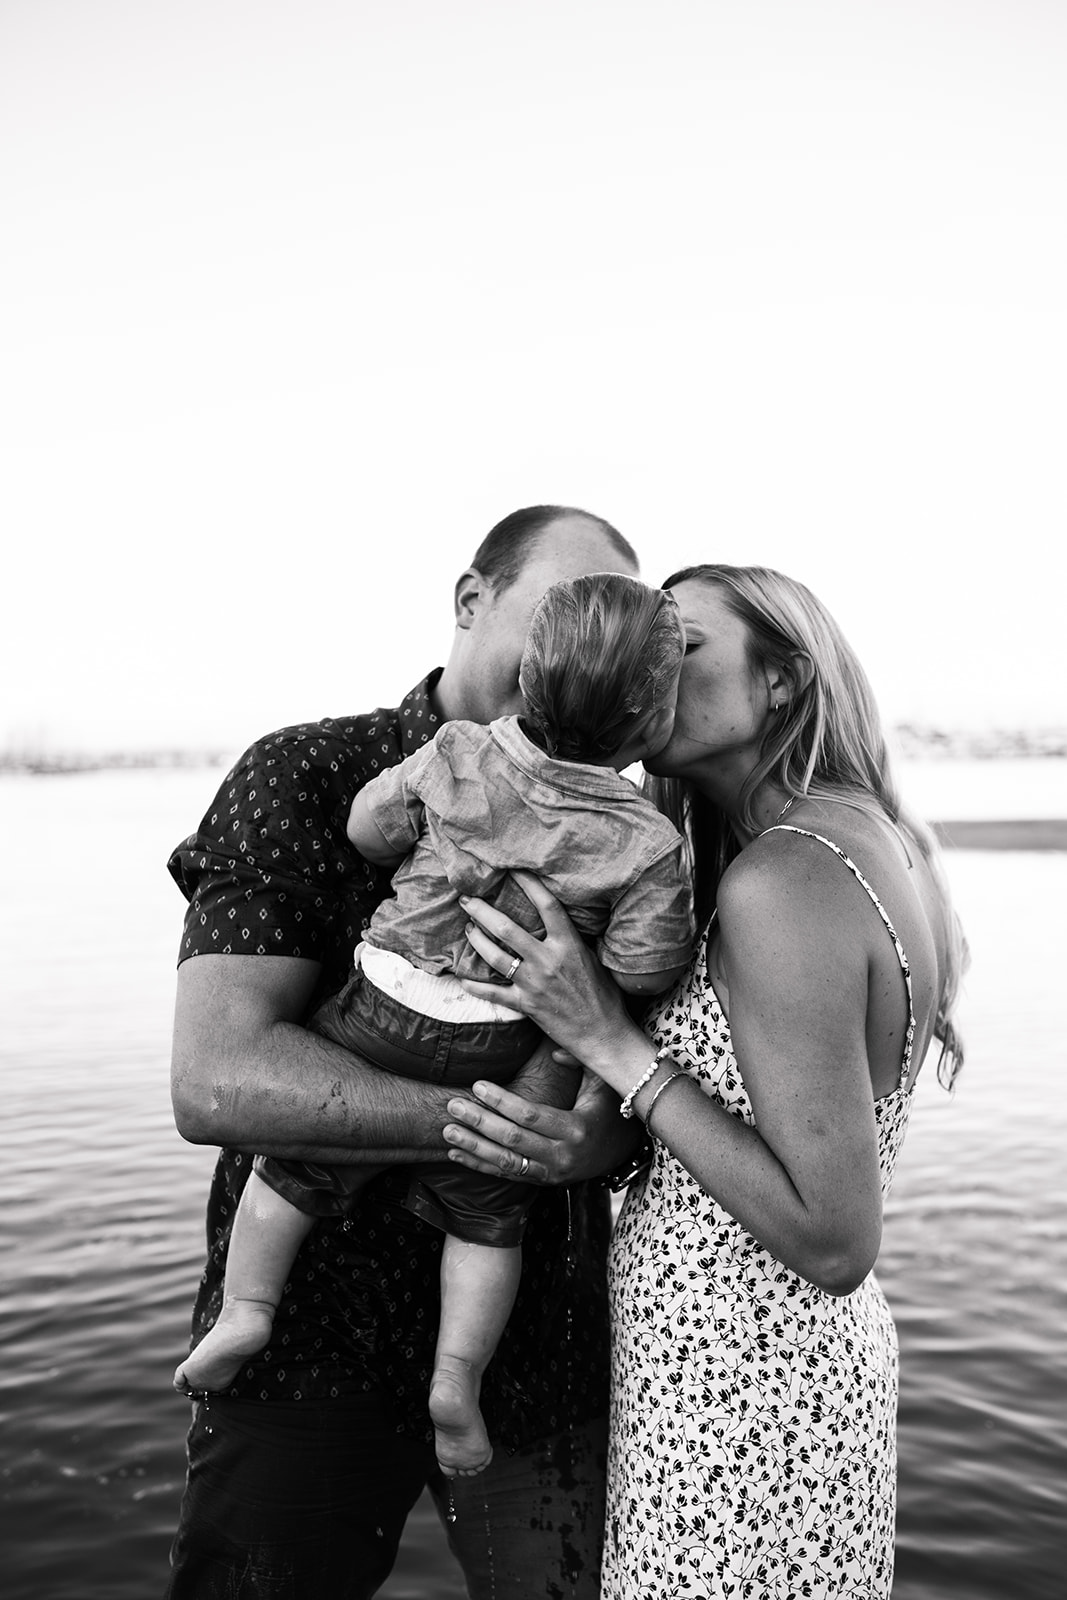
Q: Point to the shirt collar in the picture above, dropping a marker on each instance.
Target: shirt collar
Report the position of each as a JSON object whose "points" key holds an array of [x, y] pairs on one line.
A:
{"points": [[418, 719], [576, 777]]}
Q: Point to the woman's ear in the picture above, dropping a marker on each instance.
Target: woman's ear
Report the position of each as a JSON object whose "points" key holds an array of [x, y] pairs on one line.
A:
{"points": [[789, 679]]}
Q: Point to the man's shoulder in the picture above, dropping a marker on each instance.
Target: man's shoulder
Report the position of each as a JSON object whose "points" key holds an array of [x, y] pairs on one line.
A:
{"points": [[387, 733], [311, 741]]}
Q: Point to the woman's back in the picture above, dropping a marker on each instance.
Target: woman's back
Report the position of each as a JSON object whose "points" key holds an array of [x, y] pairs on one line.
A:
{"points": [[838, 911]]}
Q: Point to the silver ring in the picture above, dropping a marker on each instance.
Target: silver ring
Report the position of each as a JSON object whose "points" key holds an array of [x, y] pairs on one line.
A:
{"points": [[515, 965], [524, 1169]]}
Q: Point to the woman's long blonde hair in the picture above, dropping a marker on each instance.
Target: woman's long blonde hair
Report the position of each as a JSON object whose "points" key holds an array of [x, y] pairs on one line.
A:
{"points": [[827, 741]]}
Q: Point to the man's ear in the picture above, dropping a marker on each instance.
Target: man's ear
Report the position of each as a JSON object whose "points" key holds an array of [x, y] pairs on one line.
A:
{"points": [[471, 589]]}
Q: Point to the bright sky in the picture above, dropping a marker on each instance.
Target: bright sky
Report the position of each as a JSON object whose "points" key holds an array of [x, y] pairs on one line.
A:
{"points": [[297, 299]]}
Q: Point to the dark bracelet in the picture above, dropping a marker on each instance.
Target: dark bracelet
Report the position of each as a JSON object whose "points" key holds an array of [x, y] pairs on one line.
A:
{"points": [[622, 1176]]}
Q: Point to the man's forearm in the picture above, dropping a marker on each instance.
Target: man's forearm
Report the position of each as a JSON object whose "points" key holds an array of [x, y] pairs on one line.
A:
{"points": [[358, 1114], [302, 1097], [248, 1077]]}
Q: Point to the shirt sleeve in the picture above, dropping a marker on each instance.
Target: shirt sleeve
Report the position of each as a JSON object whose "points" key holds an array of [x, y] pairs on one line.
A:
{"points": [[394, 801], [264, 873], [651, 927]]}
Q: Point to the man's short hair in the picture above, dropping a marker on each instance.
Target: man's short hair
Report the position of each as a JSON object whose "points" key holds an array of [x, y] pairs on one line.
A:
{"points": [[506, 548]]}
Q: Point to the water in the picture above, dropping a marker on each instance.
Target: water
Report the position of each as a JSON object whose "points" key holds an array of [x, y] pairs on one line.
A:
{"points": [[101, 1222]]}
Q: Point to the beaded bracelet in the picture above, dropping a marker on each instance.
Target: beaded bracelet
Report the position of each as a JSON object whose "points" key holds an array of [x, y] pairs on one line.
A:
{"points": [[651, 1104], [627, 1107]]}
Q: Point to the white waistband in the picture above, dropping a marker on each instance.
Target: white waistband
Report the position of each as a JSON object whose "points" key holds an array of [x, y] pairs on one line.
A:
{"points": [[431, 994]]}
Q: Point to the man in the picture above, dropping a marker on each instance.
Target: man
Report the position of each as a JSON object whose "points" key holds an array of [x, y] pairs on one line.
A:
{"points": [[301, 1476]]}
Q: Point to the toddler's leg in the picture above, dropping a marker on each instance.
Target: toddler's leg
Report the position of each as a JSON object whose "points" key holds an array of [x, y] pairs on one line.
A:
{"points": [[267, 1233], [478, 1287]]}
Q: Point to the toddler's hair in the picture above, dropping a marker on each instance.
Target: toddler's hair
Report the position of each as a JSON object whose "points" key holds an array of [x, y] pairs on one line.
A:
{"points": [[602, 654]]}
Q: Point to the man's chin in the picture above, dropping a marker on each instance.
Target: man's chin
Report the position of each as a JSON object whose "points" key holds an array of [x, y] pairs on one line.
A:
{"points": [[652, 759]]}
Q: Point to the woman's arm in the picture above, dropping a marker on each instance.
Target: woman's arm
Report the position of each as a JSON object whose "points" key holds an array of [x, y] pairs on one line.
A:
{"points": [[805, 1179], [796, 939]]}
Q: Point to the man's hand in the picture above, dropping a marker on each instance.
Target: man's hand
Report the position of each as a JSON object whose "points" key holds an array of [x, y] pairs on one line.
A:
{"points": [[494, 1131]]}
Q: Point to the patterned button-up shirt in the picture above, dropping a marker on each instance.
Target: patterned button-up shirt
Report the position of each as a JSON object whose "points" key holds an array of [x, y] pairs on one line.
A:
{"points": [[270, 871]]}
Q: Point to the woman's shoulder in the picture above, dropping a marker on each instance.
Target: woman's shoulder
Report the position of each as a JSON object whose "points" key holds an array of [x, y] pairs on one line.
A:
{"points": [[811, 862]]}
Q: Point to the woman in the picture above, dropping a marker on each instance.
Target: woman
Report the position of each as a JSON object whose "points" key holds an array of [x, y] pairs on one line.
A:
{"points": [[754, 1357]]}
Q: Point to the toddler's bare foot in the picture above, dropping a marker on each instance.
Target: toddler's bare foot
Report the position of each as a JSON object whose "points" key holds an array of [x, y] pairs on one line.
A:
{"points": [[461, 1441], [244, 1326]]}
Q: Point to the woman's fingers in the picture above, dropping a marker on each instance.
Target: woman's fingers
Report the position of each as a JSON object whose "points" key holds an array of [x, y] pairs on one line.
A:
{"points": [[532, 983], [557, 981], [496, 926], [488, 948], [500, 927], [552, 913]]}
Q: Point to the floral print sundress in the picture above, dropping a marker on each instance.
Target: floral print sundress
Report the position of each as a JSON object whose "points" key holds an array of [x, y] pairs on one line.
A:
{"points": [[753, 1417]]}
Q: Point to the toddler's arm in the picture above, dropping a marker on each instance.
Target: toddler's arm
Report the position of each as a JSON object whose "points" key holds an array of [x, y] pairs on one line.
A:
{"points": [[651, 928], [648, 983], [368, 838]]}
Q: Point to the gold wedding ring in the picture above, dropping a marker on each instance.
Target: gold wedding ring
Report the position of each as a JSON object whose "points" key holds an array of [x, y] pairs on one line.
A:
{"points": [[524, 1169], [515, 965]]}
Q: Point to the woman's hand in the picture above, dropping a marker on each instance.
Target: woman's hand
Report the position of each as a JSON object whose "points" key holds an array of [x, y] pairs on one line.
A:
{"points": [[558, 982], [494, 1131]]}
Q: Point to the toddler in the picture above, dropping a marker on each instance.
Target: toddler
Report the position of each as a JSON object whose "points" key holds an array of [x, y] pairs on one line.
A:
{"points": [[599, 679]]}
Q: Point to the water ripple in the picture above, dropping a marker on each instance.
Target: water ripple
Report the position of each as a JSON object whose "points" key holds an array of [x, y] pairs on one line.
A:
{"points": [[101, 1232]]}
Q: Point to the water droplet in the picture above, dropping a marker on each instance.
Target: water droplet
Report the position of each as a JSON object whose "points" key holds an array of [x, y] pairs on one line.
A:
{"points": [[489, 1530]]}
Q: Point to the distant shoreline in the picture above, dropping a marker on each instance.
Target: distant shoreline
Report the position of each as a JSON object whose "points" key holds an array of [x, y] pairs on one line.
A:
{"points": [[972, 833], [908, 742], [1048, 833], [74, 764]]}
